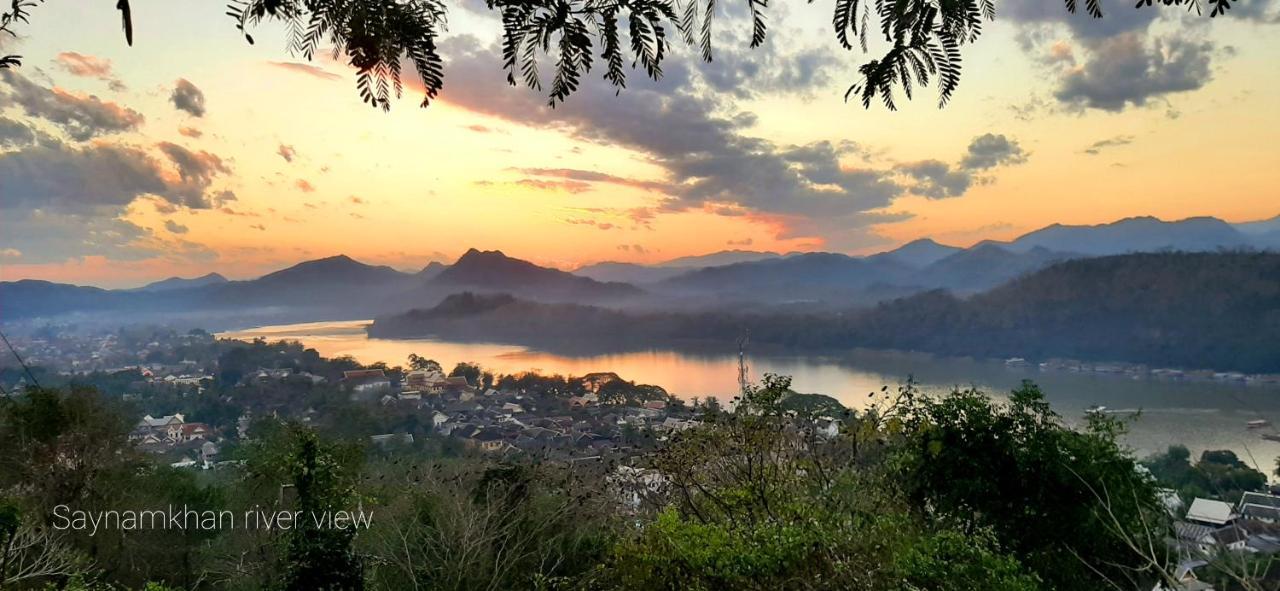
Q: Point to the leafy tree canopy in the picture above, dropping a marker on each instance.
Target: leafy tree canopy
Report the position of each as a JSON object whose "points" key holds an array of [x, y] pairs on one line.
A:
{"points": [[922, 39]]}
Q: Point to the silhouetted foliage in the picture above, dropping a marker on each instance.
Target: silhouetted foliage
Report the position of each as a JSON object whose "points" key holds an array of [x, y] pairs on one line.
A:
{"points": [[923, 39]]}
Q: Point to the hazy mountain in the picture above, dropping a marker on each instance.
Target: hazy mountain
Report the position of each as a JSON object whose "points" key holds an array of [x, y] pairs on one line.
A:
{"points": [[639, 273], [432, 269], [920, 253], [492, 271], [715, 259], [335, 270], [1259, 227], [1264, 234], [339, 285], [627, 272], [180, 283], [820, 276], [1194, 310], [31, 298], [1139, 234], [985, 266], [1190, 310]]}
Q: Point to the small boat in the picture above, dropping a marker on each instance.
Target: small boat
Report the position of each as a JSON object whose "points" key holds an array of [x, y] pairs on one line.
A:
{"points": [[1258, 424], [1095, 410]]}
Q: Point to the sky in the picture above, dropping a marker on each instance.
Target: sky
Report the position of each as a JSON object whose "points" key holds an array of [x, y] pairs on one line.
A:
{"points": [[193, 151]]}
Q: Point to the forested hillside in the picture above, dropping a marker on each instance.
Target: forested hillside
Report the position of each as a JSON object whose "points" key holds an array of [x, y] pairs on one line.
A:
{"points": [[1195, 310]]}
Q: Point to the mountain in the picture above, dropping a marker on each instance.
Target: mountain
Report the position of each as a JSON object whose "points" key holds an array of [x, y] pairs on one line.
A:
{"points": [[1193, 310], [627, 272], [986, 265], [335, 270], [798, 276], [920, 253], [338, 285], [432, 269], [1189, 310], [715, 259], [180, 283], [492, 271], [638, 273], [29, 298], [1138, 234]]}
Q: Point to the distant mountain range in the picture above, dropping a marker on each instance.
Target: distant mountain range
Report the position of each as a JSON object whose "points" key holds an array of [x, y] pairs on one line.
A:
{"points": [[341, 287], [332, 287], [180, 283], [1190, 310]]}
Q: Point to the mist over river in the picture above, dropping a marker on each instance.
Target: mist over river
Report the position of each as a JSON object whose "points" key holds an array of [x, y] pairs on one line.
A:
{"points": [[1199, 414]]}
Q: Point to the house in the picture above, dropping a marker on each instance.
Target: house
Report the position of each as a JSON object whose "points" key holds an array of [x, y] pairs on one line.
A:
{"points": [[1194, 538], [1185, 576], [361, 374], [411, 395], [193, 431], [656, 404], [1210, 512], [166, 428], [578, 402], [438, 419], [1231, 537], [208, 452], [1260, 506], [424, 378]]}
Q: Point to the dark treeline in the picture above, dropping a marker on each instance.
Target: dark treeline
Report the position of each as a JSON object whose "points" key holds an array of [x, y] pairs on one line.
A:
{"points": [[1192, 310]]}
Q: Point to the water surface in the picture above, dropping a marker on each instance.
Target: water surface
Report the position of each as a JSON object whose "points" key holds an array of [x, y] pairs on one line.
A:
{"points": [[1201, 415]]}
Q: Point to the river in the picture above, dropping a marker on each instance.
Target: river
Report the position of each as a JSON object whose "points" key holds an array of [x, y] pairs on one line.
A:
{"points": [[1199, 414]]}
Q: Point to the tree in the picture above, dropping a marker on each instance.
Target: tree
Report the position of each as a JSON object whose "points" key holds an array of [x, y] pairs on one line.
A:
{"points": [[1038, 485], [470, 371], [420, 363], [321, 475], [923, 40]]}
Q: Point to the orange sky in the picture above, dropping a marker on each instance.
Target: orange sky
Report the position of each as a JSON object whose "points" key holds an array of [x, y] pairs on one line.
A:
{"points": [[314, 172]]}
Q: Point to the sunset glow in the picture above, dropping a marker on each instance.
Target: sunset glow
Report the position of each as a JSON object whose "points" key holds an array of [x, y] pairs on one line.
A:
{"points": [[286, 164]]}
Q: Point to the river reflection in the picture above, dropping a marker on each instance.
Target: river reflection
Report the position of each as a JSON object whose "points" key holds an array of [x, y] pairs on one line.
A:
{"points": [[1200, 415]]}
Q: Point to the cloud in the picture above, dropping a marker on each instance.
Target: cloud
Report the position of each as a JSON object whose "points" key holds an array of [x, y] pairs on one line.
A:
{"points": [[10, 253], [710, 160], [636, 248], [81, 116], [286, 152], [195, 169], [480, 128], [989, 150], [304, 185], [14, 134], [52, 236], [175, 227], [105, 177], [190, 132], [88, 66], [936, 179], [591, 176], [356, 200], [307, 69], [186, 97], [1129, 70], [590, 222], [1097, 147], [742, 242], [1118, 62]]}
